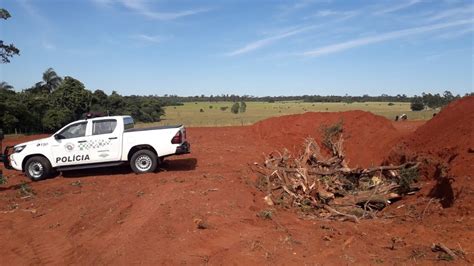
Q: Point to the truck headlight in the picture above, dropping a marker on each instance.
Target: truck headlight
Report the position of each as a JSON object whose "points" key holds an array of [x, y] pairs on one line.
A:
{"points": [[17, 149]]}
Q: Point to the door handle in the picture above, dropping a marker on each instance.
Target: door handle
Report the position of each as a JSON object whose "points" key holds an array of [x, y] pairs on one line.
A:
{"points": [[113, 138], [82, 141]]}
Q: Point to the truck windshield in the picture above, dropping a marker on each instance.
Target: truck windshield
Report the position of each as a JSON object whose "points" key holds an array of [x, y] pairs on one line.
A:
{"points": [[128, 123]]}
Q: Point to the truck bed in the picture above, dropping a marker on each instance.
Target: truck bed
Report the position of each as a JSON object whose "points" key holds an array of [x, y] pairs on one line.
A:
{"points": [[151, 128]]}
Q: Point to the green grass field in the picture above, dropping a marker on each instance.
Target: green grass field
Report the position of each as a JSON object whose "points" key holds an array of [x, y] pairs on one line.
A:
{"points": [[189, 114]]}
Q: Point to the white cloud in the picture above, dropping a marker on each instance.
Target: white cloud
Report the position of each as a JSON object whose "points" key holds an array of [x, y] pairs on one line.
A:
{"points": [[33, 12], [142, 8], [400, 6], [48, 45], [339, 47], [269, 40], [340, 15], [455, 34], [453, 13], [298, 5], [149, 38]]}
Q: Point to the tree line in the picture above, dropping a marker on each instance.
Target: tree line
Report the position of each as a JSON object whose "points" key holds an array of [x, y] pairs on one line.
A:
{"points": [[55, 101], [431, 101]]}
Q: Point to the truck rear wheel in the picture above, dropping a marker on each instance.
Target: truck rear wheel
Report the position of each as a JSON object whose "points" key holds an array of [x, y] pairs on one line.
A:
{"points": [[144, 161], [38, 168]]}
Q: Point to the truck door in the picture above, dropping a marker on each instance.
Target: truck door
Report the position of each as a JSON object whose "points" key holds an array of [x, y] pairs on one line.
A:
{"points": [[105, 142], [65, 146]]}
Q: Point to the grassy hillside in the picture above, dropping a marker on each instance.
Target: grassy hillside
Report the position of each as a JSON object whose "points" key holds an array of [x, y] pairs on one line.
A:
{"points": [[190, 114]]}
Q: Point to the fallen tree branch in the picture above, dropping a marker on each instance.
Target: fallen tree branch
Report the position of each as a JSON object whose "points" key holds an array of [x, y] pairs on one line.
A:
{"points": [[327, 187]]}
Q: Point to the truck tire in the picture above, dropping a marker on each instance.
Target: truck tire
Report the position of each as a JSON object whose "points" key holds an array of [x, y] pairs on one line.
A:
{"points": [[144, 161], [38, 168]]}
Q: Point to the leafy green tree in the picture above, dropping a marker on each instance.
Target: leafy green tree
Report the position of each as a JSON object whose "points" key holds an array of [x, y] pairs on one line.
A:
{"points": [[243, 107], [4, 86], [116, 104], [7, 50], [448, 97], [37, 104], [51, 80], [99, 103], [10, 122], [417, 104], [235, 108], [72, 95], [56, 118], [13, 110]]}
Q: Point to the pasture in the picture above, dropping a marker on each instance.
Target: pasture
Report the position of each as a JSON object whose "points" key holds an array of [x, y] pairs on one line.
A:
{"points": [[189, 114]]}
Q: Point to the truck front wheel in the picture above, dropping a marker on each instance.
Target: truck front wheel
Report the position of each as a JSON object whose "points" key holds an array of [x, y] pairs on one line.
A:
{"points": [[38, 168], [144, 161]]}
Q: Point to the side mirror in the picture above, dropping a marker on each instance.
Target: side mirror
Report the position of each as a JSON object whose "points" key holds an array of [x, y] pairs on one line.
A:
{"points": [[58, 137]]}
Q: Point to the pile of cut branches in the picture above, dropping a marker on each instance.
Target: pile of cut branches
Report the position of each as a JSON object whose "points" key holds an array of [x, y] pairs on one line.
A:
{"points": [[324, 186]]}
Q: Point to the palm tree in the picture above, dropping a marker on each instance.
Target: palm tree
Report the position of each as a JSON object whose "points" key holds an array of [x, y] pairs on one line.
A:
{"points": [[51, 79], [4, 86]]}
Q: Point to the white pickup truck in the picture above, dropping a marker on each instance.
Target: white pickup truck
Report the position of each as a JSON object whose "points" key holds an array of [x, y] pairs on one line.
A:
{"points": [[97, 142]]}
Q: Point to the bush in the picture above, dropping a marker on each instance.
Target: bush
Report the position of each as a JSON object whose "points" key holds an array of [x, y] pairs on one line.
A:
{"points": [[330, 133], [235, 108], [223, 108], [408, 176], [56, 118], [243, 107], [201, 110], [417, 104], [210, 106], [390, 104], [265, 214]]}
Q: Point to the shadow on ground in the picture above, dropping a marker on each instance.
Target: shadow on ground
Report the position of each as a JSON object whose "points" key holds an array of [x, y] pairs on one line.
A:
{"points": [[187, 164]]}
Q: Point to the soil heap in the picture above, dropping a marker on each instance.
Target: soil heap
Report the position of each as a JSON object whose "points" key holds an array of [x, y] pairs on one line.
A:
{"points": [[445, 147], [367, 137]]}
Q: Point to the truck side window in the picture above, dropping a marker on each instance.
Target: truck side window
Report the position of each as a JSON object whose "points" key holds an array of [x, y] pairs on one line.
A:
{"points": [[74, 131], [103, 127], [128, 123]]}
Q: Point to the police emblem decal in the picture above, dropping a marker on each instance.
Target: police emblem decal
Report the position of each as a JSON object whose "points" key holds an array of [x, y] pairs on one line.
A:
{"points": [[69, 146]]}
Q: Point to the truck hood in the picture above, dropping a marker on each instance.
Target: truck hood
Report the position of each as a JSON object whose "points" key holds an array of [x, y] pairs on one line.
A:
{"points": [[37, 142]]}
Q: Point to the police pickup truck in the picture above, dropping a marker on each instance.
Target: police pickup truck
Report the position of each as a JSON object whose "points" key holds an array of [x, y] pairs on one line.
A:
{"points": [[97, 142]]}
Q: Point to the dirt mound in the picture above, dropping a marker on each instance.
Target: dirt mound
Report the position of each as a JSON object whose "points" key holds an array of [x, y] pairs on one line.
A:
{"points": [[445, 147], [450, 136], [368, 137], [447, 140]]}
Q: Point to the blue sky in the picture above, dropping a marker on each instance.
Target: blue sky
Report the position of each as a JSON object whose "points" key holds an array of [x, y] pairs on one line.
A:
{"points": [[254, 47]]}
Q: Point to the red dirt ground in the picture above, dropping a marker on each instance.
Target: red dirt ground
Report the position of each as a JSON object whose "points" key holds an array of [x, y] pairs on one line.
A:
{"points": [[115, 216]]}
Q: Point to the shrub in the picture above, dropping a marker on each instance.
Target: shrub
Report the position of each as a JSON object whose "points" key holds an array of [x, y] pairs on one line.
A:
{"points": [[417, 104], [265, 214], [223, 108], [408, 176], [390, 104], [55, 118], [3, 179], [235, 108], [331, 132], [201, 110], [243, 107], [26, 190]]}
